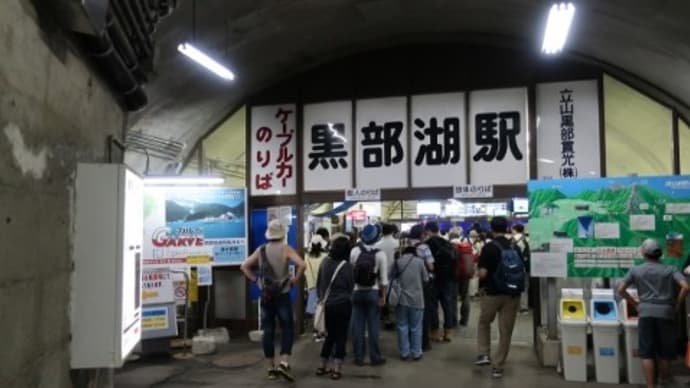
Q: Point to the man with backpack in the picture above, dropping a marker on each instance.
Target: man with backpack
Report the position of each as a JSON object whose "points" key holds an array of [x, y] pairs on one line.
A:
{"points": [[445, 284], [464, 273], [371, 280], [522, 245], [502, 279]]}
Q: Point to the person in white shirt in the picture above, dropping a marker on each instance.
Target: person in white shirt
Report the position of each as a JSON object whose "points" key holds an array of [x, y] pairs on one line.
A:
{"points": [[371, 281], [389, 245], [317, 253]]}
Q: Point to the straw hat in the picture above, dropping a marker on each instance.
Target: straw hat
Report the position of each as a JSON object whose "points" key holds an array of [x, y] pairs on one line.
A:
{"points": [[275, 230]]}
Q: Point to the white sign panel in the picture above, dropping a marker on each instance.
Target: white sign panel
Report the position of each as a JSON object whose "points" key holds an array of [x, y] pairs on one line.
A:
{"points": [[473, 191], [157, 287], [273, 149], [438, 140], [382, 143], [363, 195], [327, 139], [568, 129], [498, 136], [549, 265]]}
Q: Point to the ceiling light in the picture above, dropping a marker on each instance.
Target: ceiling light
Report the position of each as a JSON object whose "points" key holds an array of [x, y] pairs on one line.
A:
{"points": [[557, 27], [204, 60], [547, 161], [183, 181]]}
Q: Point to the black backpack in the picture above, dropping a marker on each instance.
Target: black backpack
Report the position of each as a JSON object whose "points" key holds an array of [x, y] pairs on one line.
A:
{"points": [[365, 267], [509, 278], [445, 259]]}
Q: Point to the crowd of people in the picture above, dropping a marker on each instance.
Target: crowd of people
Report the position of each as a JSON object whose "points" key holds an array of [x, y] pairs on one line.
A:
{"points": [[396, 280]]}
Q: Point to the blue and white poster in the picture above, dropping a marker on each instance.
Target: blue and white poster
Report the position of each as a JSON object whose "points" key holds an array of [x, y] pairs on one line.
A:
{"points": [[191, 226]]}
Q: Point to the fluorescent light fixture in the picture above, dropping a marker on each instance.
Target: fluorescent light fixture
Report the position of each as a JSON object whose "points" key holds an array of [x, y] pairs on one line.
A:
{"points": [[204, 60], [547, 161], [557, 27], [183, 181], [335, 133]]}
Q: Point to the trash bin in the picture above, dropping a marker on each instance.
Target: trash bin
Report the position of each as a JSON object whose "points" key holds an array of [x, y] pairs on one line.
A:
{"points": [[629, 319], [605, 330], [572, 320]]}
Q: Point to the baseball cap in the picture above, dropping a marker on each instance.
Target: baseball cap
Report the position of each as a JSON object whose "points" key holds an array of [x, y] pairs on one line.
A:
{"points": [[651, 248]]}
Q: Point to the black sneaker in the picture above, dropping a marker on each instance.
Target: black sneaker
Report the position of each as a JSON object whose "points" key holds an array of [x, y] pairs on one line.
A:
{"points": [[284, 370], [272, 374], [496, 373], [483, 360], [378, 362]]}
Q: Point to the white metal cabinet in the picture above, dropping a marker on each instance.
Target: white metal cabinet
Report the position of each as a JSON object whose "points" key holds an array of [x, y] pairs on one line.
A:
{"points": [[106, 282]]}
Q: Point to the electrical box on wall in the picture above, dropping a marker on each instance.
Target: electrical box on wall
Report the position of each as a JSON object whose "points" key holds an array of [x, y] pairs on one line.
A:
{"points": [[106, 281]]}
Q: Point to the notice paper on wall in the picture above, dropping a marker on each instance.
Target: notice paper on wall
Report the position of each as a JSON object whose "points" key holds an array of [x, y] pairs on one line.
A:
{"points": [[607, 230], [205, 274], [564, 245], [643, 222], [549, 265], [678, 208]]}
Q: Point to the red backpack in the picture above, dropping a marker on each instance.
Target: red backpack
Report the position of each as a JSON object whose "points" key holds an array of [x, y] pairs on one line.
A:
{"points": [[465, 264]]}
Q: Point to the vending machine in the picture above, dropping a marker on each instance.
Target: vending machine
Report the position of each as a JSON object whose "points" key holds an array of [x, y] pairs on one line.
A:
{"points": [[105, 306]]}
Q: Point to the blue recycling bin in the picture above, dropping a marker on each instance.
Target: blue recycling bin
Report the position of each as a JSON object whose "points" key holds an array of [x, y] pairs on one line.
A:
{"points": [[605, 332]]}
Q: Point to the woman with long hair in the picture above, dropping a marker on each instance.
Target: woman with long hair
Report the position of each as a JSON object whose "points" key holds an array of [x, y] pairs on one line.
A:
{"points": [[335, 285], [317, 252]]}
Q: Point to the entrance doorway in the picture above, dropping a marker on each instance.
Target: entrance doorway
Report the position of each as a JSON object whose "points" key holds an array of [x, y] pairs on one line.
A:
{"points": [[453, 217]]}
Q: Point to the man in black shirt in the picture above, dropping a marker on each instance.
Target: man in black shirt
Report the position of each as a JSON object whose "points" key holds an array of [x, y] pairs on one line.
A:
{"points": [[500, 270]]}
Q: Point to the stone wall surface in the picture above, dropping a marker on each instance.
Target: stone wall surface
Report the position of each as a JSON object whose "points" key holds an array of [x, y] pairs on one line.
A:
{"points": [[54, 112]]}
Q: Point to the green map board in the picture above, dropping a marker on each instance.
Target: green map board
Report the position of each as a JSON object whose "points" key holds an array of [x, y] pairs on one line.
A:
{"points": [[608, 218]]}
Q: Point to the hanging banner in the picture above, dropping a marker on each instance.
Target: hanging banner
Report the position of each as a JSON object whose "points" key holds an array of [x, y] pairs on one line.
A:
{"points": [[568, 130], [186, 226], [601, 223], [363, 195], [498, 136], [382, 143], [473, 191], [438, 140], [273, 150], [327, 139]]}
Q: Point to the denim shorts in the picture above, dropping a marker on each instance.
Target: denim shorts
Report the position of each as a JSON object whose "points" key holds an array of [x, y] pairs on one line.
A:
{"points": [[657, 338]]}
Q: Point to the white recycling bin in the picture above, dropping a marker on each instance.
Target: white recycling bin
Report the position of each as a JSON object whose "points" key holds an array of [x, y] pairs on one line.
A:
{"points": [[572, 320], [629, 319], [605, 333]]}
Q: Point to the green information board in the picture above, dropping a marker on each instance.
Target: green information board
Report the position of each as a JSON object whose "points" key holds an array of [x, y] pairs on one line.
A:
{"points": [[605, 221]]}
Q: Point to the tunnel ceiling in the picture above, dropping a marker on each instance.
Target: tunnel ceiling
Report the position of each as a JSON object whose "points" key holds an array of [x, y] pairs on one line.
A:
{"points": [[266, 41]]}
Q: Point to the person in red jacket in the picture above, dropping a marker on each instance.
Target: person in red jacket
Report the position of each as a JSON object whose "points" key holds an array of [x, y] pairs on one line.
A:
{"points": [[464, 273]]}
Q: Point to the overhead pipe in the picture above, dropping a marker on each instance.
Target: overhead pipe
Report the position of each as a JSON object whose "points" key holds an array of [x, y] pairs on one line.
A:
{"points": [[123, 47], [118, 74], [125, 15], [145, 40]]}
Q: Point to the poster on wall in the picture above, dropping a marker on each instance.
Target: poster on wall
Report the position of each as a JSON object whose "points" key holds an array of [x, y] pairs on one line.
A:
{"points": [[438, 140], [327, 139], [186, 226], [604, 221], [273, 150], [381, 143], [568, 130], [498, 136]]}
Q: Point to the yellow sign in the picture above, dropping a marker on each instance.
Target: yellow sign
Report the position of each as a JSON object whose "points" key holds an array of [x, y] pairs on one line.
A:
{"points": [[149, 294], [575, 350], [156, 319], [198, 259], [193, 292]]}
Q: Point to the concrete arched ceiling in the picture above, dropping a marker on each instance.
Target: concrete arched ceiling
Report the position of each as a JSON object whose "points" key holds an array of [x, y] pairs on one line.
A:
{"points": [[265, 41]]}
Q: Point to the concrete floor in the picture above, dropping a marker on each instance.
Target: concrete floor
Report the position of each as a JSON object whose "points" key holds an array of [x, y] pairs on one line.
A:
{"points": [[239, 364]]}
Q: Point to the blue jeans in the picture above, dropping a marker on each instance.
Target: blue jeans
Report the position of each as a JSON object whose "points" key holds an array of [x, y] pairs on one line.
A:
{"points": [[409, 322], [445, 295], [280, 308], [365, 317]]}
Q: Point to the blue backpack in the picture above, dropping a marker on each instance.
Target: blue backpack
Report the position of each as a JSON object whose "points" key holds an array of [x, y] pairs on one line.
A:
{"points": [[509, 277]]}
